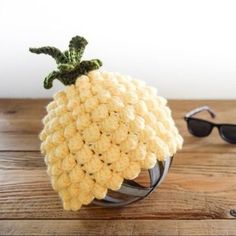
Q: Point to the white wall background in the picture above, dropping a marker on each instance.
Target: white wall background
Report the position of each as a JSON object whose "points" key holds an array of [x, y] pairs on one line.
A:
{"points": [[187, 49]]}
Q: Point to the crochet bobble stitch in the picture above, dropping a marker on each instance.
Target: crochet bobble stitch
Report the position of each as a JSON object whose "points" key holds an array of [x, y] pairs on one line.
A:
{"points": [[102, 130]]}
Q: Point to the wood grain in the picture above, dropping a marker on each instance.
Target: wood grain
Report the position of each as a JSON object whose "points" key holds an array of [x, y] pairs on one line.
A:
{"points": [[118, 227], [195, 198], [198, 186], [21, 120]]}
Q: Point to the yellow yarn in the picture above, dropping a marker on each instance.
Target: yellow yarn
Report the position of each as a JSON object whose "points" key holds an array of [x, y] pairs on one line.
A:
{"points": [[103, 129]]}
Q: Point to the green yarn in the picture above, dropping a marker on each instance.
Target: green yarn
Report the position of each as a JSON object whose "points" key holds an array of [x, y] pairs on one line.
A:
{"points": [[52, 51], [76, 48], [69, 62]]}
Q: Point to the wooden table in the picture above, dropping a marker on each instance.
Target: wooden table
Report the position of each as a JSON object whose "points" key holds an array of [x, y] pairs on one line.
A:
{"points": [[197, 197]]}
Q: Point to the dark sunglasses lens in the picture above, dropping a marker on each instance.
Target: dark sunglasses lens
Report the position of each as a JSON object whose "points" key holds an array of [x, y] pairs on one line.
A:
{"points": [[229, 133], [199, 128]]}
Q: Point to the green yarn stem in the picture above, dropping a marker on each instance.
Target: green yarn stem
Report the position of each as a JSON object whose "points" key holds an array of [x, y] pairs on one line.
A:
{"points": [[49, 79], [52, 51], [69, 63], [76, 48], [65, 67]]}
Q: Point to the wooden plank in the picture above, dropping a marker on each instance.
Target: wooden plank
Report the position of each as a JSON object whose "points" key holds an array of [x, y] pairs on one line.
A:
{"points": [[21, 120], [118, 227], [199, 186], [15, 109], [19, 142], [21, 161]]}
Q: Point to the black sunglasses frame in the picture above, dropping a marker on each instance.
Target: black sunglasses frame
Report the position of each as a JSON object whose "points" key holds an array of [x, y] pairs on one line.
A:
{"points": [[188, 117]]}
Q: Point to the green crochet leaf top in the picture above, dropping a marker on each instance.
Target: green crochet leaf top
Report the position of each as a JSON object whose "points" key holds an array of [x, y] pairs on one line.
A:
{"points": [[69, 63]]}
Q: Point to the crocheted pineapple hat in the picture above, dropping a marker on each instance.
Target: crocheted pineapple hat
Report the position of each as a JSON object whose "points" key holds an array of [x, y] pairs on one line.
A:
{"points": [[101, 129]]}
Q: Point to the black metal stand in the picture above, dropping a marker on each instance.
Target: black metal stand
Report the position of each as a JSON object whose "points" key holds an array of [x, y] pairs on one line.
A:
{"points": [[133, 191]]}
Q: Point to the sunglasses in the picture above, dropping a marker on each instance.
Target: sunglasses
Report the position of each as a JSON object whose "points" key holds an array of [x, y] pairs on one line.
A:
{"points": [[202, 128]]}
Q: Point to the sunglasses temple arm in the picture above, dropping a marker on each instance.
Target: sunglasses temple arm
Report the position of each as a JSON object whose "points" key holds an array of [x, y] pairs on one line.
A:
{"points": [[200, 109]]}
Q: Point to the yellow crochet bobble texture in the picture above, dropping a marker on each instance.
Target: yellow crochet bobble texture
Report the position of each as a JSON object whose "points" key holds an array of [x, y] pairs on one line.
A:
{"points": [[102, 130]]}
